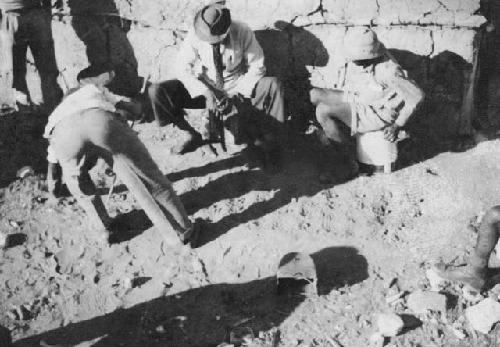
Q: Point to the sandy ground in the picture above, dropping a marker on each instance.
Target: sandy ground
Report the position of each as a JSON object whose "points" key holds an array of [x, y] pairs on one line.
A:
{"points": [[60, 285]]}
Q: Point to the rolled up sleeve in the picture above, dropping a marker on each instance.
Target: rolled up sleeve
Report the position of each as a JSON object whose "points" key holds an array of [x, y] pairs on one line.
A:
{"points": [[406, 89], [187, 59], [255, 59]]}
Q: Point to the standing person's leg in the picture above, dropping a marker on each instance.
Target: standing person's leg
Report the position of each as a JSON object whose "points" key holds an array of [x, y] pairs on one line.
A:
{"points": [[474, 273], [12, 26], [83, 189], [41, 43], [73, 151], [168, 100]]}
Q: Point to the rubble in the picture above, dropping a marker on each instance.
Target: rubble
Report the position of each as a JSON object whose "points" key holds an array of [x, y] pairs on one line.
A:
{"points": [[421, 302], [389, 324], [471, 295], [377, 340], [484, 315], [435, 281]]}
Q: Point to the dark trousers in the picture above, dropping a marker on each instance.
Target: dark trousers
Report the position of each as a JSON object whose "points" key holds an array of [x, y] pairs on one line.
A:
{"points": [[260, 115], [35, 31]]}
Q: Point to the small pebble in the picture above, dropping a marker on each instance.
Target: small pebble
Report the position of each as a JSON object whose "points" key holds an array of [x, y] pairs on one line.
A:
{"points": [[377, 340], [435, 281], [471, 295], [459, 333], [3, 240]]}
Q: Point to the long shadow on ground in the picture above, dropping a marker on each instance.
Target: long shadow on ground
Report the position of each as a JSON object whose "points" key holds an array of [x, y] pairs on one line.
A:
{"points": [[298, 178], [21, 144], [190, 318]]}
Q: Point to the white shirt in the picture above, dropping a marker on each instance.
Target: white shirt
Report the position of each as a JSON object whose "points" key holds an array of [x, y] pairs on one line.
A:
{"points": [[242, 58], [87, 97]]}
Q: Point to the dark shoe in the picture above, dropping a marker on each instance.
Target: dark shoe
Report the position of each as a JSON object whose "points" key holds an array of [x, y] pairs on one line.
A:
{"points": [[190, 237], [468, 275], [193, 142]]}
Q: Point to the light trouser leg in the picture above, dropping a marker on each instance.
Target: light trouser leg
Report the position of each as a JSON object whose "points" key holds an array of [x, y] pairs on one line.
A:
{"points": [[171, 216]]}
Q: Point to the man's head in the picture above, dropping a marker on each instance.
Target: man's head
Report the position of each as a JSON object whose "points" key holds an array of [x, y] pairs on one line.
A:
{"points": [[99, 75], [362, 45], [212, 23]]}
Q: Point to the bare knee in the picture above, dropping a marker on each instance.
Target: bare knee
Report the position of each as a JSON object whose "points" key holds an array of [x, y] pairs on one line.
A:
{"points": [[323, 114], [315, 95]]}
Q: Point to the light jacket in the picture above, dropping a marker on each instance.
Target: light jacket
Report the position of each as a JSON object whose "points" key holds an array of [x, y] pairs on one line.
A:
{"points": [[384, 88], [242, 58], [86, 97]]}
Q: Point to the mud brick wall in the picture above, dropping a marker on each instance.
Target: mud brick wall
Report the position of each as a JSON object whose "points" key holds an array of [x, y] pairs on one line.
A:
{"points": [[435, 40]]}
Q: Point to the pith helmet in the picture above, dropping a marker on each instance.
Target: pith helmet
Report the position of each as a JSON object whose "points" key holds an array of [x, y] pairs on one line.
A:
{"points": [[361, 43]]}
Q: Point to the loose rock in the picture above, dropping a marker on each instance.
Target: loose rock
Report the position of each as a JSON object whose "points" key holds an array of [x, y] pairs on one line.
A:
{"points": [[471, 295], [389, 324], [420, 302], [377, 340], [484, 315], [435, 281], [3, 240]]}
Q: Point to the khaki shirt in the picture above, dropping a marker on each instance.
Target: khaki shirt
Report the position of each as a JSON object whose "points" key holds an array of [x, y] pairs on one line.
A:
{"points": [[384, 88], [242, 58]]}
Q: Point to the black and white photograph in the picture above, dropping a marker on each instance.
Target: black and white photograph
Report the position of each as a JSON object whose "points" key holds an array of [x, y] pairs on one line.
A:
{"points": [[249, 173]]}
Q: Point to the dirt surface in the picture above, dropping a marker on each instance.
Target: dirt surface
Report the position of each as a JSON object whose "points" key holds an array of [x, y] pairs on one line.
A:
{"points": [[370, 238]]}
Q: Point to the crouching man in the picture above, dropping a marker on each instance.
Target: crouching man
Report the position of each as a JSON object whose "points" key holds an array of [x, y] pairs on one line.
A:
{"points": [[88, 125], [227, 53], [374, 94], [475, 271]]}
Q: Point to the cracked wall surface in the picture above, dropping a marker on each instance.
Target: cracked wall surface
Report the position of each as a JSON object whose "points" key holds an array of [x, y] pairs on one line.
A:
{"points": [[435, 40]]}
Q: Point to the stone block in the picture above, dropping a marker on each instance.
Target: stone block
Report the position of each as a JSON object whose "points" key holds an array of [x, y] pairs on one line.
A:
{"points": [[459, 41], [421, 302], [321, 52], [361, 12], [413, 39], [389, 324], [262, 14], [484, 315]]}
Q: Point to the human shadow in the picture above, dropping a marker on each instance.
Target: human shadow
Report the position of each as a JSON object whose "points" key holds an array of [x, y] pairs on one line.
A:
{"points": [[436, 125], [104, 33], [128, 225], [288, 50], [204, 316], [298, 178], [21, 144]]}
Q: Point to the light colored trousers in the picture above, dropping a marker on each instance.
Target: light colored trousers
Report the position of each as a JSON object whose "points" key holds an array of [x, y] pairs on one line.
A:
{"points": [[77, 142]]}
